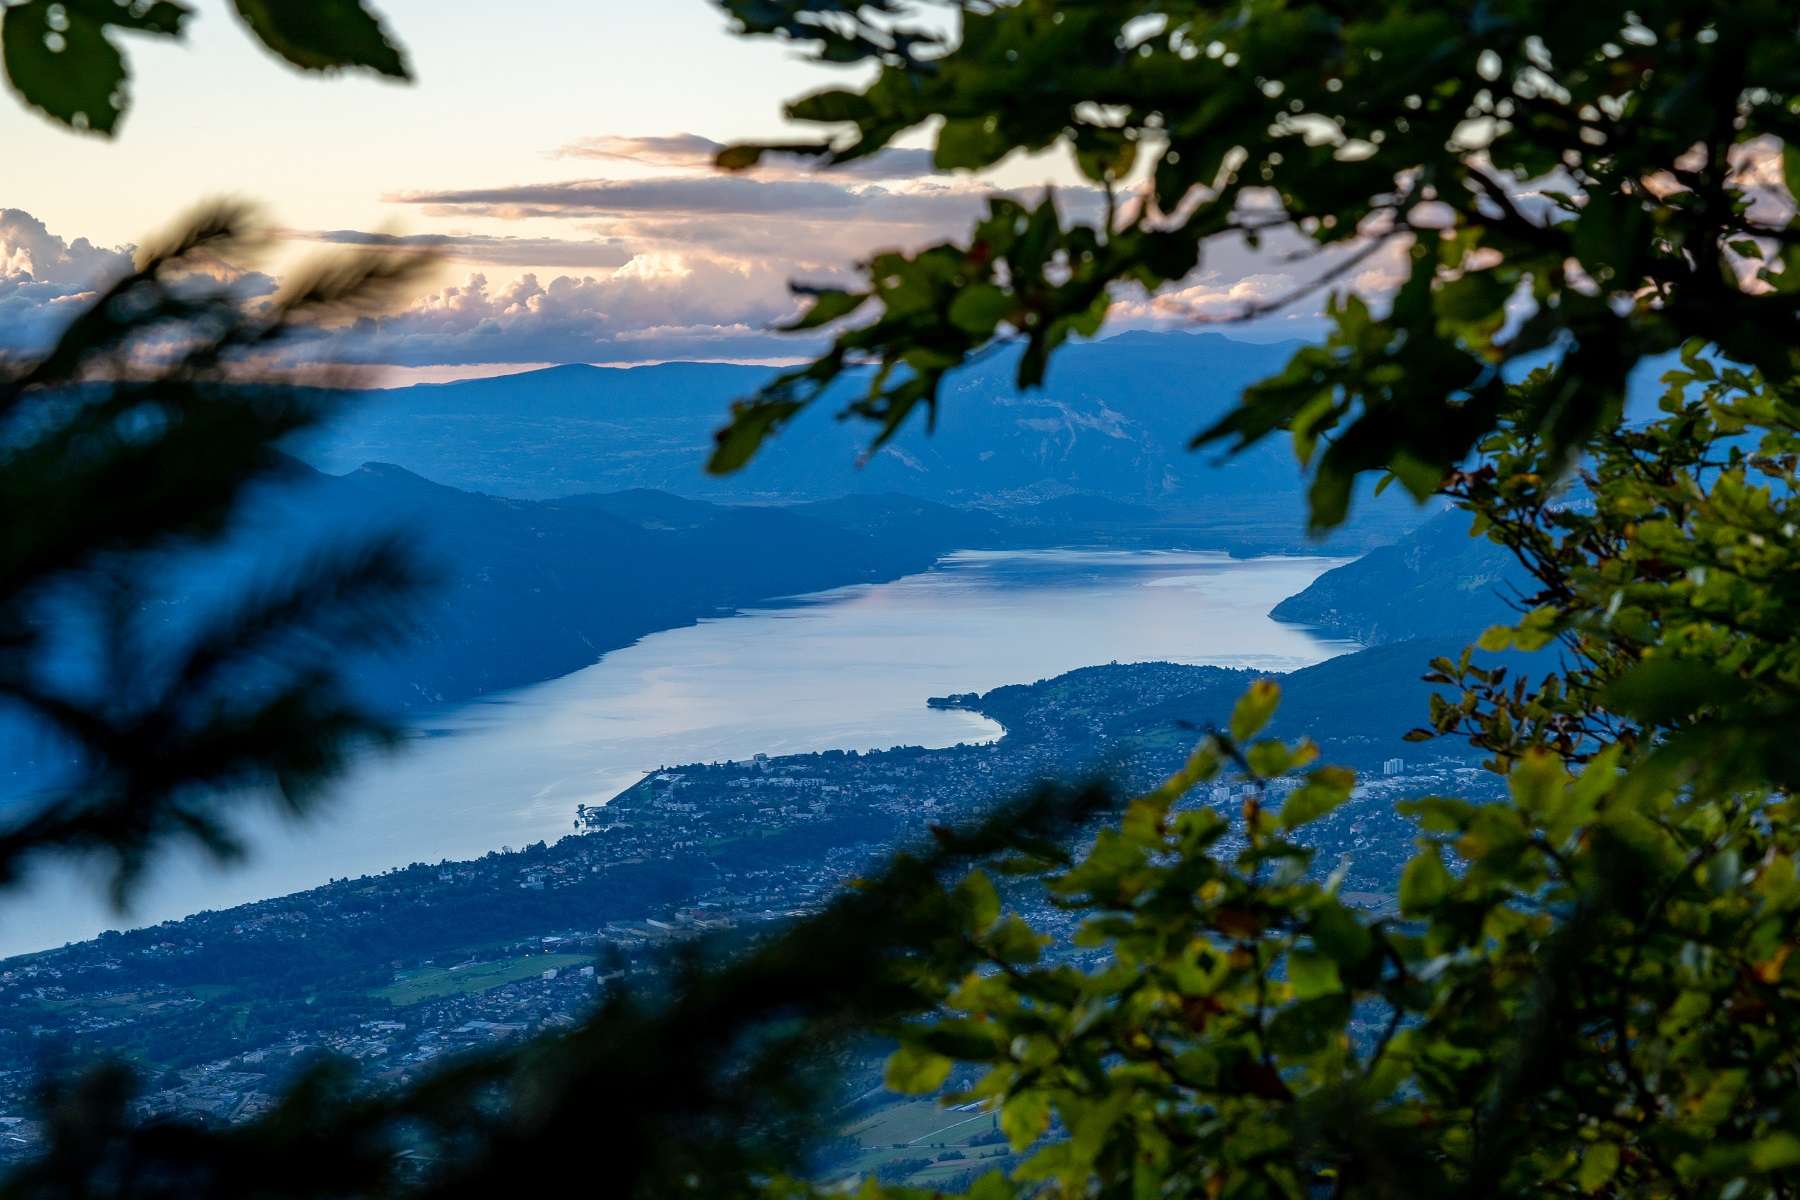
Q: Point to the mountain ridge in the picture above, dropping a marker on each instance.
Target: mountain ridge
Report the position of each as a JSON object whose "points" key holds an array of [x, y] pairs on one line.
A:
{"points": [[1436, 581], [1112, 419]]}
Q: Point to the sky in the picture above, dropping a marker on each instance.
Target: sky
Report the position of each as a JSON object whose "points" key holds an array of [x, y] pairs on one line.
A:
{"points": [[555, 154]]}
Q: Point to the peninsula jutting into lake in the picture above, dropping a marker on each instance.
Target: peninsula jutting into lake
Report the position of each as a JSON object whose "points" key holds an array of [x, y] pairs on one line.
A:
{"points": [[848, 669]]}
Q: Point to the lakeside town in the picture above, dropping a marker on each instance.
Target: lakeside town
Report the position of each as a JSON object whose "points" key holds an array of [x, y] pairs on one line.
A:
{"points": [[401, 971]]}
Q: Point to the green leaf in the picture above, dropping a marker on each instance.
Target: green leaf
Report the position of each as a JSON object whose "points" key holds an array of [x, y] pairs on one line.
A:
{"points": [[60, 60], [1102, 154], [1254, 708], [1269, 758], [829, 304], [734, 445], [1599, 1163], [1024, 1118], [978, 308], [1339, 935], [1016, 942], [1475, 297], [1537, 781], [992, 1186], [1328, 499], [324, 35], [1660, 690], [1312, 974], [831, 106], [914, 1071], [1777, 1152], [1420, 478], [1714, 1104], [1314, 417], [1309, 1026], [1327, 788], [1424, 883], [739, 156], [1495, 638], [965, 143], [981, 902]]}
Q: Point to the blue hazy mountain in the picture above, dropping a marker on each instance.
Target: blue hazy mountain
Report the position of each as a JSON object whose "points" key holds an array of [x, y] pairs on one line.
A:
{"points": [[525, 590], [1436, 582], [532, 589], [1113, 421]]}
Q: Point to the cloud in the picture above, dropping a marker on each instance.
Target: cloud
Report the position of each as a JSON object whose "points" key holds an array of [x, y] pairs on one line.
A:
{"points": [[27, 247], [44, 280], [31, 313], [690, 151], [674, 260], [712, 252], [737, 195], [486, 248], [1274, 288], [1210, 297], [815, 219], [684, 197], [643, 307], [703, 310], [819, 227]]}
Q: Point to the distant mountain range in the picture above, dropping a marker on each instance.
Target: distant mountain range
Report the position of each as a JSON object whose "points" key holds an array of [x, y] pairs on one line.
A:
{"points": [[1113, 420], [534, 589], [527, 590], [1436, 582], [600, 551], [618, 531]]}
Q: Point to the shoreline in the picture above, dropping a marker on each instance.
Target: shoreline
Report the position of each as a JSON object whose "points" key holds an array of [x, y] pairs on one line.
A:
{"points": [[799, 677]]}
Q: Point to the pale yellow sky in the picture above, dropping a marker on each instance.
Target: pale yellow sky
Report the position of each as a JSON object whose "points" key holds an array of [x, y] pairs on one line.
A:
{"points": [[633, 249], [499, 86]]}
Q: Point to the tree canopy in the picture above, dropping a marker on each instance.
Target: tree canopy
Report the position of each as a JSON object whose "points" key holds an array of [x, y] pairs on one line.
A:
{"points": [[1599, 185], [136, 438]]}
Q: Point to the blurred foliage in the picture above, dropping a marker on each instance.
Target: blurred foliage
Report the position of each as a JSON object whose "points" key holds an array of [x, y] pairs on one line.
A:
{"points": [[132, 441], [1585, 990], [1595, 181], [61, 57]]}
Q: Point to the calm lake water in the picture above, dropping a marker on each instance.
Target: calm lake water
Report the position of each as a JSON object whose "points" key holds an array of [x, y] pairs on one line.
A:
{"points": [[849, 668]]}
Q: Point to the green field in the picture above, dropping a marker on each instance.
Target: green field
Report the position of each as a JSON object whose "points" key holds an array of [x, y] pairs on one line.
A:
{"points": [[923, 1129], [919, 1123], [132, 1002], [429, 983]]}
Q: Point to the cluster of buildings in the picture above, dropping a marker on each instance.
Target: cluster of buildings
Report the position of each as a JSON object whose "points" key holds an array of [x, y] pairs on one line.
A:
{"points": [[401, 970]]}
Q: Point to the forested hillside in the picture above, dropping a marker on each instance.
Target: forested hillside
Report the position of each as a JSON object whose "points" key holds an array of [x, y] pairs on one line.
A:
{"points": [[1435, 582], [527, 590]]}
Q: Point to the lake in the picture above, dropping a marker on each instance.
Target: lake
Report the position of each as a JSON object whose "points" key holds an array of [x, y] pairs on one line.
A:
{"points": [[849, 669]]}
